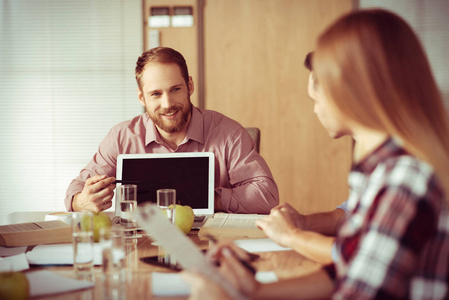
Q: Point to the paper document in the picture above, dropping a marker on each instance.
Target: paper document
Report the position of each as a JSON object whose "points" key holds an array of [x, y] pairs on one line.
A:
{"points": [[47, 283], [260, 245], [242, 221], [179, 246], [224, 224], [58, 254], [14, 263], [169, 284]]}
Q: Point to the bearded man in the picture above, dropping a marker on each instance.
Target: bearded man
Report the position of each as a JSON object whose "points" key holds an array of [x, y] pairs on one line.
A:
{"points": [[243, 181]]}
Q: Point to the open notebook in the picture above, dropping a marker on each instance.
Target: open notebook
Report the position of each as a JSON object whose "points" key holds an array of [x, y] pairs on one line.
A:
{"points": [[191, 174]]}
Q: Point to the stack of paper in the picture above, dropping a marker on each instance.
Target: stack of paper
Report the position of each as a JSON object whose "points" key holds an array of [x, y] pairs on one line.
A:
{"points": [[58, 254]]}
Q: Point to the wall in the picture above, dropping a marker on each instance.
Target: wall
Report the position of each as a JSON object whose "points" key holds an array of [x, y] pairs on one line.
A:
{"points": [[254, 52]]}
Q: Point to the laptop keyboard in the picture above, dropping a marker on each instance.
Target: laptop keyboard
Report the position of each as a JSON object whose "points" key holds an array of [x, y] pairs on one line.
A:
{"points": [[199, 218]]}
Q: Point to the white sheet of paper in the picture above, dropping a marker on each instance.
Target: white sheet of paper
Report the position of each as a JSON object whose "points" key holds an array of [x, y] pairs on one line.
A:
{"points": [[46, 283], [58, 254], [181, 248], [8, 251], [260, 245], [172, 284], [266, 277], [169, 284], [14, 263]]}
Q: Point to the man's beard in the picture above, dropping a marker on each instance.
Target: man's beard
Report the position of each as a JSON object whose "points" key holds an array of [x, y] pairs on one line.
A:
{"points": [[172, 126]]}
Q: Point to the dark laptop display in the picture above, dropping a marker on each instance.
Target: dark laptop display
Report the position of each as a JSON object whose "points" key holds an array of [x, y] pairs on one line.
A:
{"points": [[190, 174]]}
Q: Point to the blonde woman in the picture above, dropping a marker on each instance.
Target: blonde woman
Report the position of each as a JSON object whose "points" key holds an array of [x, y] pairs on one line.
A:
{"points": [[373, 82]]}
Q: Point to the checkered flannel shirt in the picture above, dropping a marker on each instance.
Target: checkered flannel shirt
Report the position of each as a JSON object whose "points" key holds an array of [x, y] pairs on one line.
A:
{"points": [[395, 242]]}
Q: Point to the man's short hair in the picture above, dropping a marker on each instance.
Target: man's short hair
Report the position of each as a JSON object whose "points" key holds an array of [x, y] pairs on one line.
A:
{"points": [[163, 55]]}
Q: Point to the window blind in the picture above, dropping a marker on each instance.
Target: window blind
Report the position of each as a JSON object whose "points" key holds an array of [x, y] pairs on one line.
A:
{"points": [[66, 77], [429, 20]]}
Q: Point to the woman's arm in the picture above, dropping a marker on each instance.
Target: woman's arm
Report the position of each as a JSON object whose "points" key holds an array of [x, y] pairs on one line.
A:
{"points": [[289, 228]]}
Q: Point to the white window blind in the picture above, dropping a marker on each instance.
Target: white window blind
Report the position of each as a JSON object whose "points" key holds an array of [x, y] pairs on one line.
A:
{"points": [[66, 77], [429, 20]]}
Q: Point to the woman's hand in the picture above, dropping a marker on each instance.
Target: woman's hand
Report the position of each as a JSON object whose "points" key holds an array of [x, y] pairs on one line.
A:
{"points": [[281, 223], [228, 257]]}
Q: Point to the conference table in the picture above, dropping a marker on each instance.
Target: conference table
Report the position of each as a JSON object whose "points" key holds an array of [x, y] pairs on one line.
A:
{"points": [[284, 264]]}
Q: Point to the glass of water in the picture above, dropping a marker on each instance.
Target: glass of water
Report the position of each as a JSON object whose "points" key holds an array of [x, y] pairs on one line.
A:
{"points": [[128, 204], [83, 243], [166, 201], [112, 241]]}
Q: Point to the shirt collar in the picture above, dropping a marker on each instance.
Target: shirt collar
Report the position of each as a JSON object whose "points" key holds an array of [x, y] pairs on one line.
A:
{"points": [[391, 147], [194, 132], [151, 134]]}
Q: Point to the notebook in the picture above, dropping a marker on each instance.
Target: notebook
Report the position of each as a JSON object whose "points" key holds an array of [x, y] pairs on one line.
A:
{"points": [[191, 174]]}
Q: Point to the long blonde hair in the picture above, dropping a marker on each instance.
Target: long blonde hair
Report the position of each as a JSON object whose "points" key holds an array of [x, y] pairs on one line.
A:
{"points": [[373, 67]]}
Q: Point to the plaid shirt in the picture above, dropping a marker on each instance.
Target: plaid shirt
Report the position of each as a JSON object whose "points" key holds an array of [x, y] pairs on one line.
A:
{"points": [[395, 242]]}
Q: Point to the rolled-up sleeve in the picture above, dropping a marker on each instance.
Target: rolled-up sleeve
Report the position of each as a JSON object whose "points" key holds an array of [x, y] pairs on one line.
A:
{"points": [[253, 189]]}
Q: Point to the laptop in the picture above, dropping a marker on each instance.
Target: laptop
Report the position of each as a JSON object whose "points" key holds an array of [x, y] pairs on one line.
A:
{"points": [[191, 174]]}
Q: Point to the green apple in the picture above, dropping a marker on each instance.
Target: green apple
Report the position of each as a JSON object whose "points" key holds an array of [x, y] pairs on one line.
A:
{"points": [[101, 220], [14, 285], [184, 217]]}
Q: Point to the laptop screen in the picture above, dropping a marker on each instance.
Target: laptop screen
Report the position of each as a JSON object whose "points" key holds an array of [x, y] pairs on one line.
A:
{"points": [[191, 174]]}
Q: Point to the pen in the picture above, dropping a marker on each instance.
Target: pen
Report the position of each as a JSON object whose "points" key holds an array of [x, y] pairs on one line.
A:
{"points": [[127, 182], [246, 264]]}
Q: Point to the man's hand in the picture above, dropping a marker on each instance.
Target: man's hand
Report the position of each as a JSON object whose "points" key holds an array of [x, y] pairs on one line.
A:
{"points": [[280, 224], [96, 196]]}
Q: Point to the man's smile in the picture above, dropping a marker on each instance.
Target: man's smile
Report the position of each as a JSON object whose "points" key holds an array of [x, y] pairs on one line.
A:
{"points": [[170, 115]]}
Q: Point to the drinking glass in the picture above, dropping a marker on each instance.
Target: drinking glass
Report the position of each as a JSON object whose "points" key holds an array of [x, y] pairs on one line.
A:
{"points": [[128, 204], [83, 243], [166, 201], [112, 241]]}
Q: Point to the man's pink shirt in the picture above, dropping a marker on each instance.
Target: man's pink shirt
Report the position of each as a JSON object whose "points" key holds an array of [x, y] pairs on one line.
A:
{"points": [[242, 177]]}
